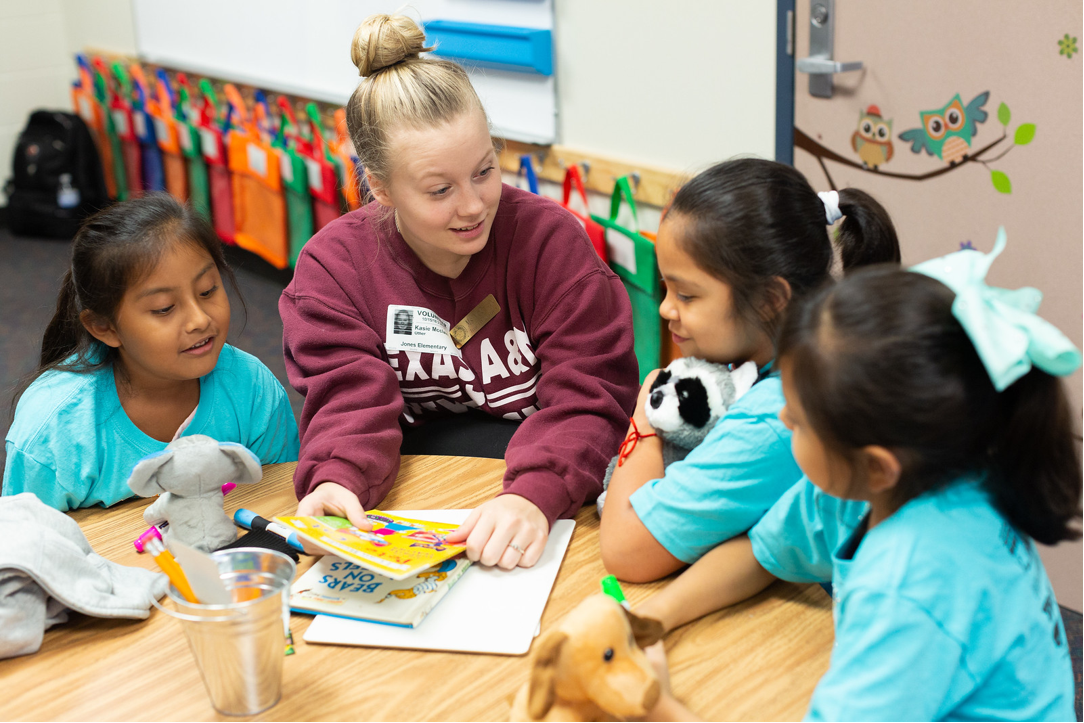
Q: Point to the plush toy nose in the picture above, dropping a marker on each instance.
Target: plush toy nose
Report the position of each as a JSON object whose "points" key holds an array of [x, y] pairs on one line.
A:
{"points": [[656, 399]]}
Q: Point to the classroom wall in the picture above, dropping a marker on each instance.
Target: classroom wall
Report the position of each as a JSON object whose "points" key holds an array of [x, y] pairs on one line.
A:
{"points": [[102, 25], [34, 68], [649, 82], [37, 40], [679, 85]]}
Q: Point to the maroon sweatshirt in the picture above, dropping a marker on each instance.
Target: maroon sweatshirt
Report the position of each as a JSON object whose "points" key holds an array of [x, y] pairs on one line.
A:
{"points": [[365, 336]]}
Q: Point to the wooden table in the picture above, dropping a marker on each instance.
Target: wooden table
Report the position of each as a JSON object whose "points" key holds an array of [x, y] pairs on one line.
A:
{"points": [[758, 660]]}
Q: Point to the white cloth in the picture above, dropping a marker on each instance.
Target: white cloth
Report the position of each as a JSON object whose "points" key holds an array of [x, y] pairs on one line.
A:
{"points": [[47, 566], [831, 206]]}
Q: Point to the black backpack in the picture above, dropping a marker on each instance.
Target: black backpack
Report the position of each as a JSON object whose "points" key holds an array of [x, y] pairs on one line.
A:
{"points": [[57, 176]]}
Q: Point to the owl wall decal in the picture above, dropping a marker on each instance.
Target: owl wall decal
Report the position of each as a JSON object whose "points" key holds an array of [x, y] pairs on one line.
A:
{"points": [[873, 139], [947, 131]]}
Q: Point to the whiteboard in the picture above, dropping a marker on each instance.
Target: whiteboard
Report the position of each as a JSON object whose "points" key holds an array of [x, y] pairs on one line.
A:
{"points": [[302, 47]]}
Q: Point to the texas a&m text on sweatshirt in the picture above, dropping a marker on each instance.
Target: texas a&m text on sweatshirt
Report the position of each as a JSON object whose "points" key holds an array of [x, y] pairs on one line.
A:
{"points": [[365, 329]]}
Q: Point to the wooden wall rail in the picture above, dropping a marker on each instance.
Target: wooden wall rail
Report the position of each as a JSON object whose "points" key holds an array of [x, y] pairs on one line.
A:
{"points": [[651, 185]]}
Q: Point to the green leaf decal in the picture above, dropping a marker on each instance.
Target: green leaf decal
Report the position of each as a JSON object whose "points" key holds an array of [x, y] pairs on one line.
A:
{"points": [[1001, 182], [1024, 134], [1003, 114]]}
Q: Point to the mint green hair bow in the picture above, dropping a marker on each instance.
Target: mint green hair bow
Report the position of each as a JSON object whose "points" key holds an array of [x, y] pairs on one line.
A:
{"points": [[1001, 323]]}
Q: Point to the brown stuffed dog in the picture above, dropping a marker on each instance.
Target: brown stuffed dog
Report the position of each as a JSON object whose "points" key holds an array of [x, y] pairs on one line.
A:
{"points": [[591, 667]]}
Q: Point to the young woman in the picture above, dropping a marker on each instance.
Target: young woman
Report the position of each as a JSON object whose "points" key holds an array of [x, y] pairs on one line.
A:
{"points": [[452, 294], [740, 242]]}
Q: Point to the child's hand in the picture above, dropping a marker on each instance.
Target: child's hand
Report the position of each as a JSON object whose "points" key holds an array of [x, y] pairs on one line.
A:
{"points": [[508, 531], [330, 498], [668, 707], [640, 415], [656, 655]]}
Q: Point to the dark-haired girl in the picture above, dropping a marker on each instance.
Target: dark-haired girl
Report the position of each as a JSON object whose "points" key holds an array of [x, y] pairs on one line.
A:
{"points": [[740, 242], [136, 355], [938, 446]]}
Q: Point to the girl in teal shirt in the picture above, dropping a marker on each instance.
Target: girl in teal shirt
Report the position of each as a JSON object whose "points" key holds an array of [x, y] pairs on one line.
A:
{"points": [[738, 243], [938, 448], [136, 355]]}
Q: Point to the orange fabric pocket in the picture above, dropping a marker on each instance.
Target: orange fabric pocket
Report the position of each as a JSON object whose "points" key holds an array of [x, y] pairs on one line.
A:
{"points": [[176, 172], [259, 207]]}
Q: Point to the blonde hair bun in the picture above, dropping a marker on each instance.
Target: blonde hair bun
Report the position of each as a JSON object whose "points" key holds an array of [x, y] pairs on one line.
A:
{"points": [[383, 40]]}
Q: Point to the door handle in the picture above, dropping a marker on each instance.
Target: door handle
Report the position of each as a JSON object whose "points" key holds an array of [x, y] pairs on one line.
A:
{"points": [[819, 64], [825, 65]]}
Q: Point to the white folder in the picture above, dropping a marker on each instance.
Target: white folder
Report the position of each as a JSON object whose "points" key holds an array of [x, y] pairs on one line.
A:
{"points": [[488, 611]]}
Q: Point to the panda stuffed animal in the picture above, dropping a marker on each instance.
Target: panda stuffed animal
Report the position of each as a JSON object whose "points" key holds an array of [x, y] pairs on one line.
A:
{"points": [[687, 399]]}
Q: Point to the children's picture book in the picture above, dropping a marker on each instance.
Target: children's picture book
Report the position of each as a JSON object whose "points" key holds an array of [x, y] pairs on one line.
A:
{"points": [[397, 547], [491, 611], [334, 586]]}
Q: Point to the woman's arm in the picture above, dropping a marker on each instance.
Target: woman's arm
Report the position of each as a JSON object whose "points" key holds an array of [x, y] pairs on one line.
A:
{"points": [[727, 575], [586, 391], [350, 432], [556, 458], [629, 550]]}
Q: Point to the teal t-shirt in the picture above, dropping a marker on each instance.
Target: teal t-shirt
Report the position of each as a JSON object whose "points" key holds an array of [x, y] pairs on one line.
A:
{"points": [[726, 483], [942, 611], [73, 445]]}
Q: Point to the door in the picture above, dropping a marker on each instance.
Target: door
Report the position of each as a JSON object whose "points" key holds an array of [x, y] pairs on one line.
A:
{"points": [[1008, 77]]}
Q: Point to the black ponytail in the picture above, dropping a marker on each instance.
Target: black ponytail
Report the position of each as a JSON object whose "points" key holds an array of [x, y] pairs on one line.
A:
{"points": [[1034, 456], [113, 249], [751, 222], [867, 235], [62, 335], [879, 359]]}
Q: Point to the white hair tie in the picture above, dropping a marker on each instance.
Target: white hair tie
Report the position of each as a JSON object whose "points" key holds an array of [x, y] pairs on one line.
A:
{"points": [[831, 206]]}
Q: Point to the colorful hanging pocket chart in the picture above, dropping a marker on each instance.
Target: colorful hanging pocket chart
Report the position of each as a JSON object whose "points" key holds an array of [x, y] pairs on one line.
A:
{"points": [[632, 256], [259, 206]]}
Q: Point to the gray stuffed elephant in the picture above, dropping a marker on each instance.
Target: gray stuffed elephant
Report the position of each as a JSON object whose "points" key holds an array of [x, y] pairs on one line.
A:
{"points": [[188, 476]]}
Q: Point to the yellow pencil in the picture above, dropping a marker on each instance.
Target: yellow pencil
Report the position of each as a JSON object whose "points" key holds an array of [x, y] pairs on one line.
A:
{"points": [[151, 541]]}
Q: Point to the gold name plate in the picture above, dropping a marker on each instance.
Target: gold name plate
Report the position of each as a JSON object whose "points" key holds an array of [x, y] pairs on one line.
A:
{"points": [[480, 316]]}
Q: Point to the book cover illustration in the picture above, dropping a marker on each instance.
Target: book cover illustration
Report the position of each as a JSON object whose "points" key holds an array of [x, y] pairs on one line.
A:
{"points": [[336, 587], [396, 547]]}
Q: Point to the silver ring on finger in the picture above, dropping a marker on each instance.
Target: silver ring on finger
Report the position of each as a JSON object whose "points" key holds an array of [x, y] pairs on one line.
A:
{"points": [[516, 547]]}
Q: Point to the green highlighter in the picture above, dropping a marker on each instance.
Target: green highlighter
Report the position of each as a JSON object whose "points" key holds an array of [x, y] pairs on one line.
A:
{"points": [[611, 587]]}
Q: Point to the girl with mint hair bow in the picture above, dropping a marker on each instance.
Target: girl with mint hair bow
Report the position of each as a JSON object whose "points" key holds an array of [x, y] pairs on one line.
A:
{"points": [[938, 447]]}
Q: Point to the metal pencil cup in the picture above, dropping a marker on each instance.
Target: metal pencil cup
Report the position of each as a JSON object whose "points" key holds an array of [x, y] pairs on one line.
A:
{"points": [[239, 647]]}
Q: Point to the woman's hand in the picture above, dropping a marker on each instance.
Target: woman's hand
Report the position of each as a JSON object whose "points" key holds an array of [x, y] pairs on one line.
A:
{"points": [[330, 498], [508, 531]]}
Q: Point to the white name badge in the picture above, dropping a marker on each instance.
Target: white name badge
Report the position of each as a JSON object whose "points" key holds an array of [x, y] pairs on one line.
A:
{"points": [[415, 328]]}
